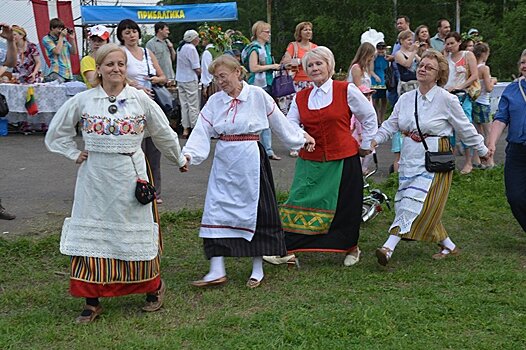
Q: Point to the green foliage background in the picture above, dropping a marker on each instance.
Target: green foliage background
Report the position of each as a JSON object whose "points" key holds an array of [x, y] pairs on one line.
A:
{"points": [[338, 24]]}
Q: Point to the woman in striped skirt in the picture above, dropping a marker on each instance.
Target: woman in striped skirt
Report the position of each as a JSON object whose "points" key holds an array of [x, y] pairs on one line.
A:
{"points": [[422, 195], [112, 238], [240, 217]]}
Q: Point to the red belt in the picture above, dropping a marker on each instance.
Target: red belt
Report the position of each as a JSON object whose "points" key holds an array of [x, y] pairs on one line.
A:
{"points": [[242, 137], [415, 135]]}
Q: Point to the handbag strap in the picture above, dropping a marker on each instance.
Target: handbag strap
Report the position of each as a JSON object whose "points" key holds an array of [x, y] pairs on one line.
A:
{"points": [[295, 44], [417, 125], [146, 56]]}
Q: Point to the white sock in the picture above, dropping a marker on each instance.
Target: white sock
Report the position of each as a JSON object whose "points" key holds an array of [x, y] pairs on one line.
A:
{"points": [[257, 268], [217, 269], [448, 243], [391, 243]]}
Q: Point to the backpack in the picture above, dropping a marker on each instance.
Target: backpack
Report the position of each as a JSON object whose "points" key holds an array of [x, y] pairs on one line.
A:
{"points": [[245, 54]]}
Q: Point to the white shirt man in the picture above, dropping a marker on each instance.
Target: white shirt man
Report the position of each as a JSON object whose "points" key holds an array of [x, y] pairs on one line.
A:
{"points": [[187, 77]]}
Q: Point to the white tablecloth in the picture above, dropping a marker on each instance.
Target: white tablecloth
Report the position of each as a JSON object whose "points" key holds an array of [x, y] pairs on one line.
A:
{"points": [[49, 98]]}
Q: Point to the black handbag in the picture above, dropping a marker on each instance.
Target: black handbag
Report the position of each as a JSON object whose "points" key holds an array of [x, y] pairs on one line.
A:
{"points": [[4, 108], [162, 96], [283, 84], [144, 191], [390, 78], [435, 162]]}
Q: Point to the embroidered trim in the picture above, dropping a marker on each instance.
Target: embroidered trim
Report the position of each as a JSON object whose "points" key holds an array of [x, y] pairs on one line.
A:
{"points": [[241, 137], [102, 125], [306, 221]]}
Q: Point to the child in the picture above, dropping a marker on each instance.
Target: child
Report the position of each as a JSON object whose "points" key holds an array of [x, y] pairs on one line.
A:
{"points": [[481, 107], [378, 82]]}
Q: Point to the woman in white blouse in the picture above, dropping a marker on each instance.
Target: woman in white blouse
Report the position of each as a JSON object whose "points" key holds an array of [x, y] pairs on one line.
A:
{"points": [[323, 211], [112, 239], [240, 217], [421, 195], [143, 71]]}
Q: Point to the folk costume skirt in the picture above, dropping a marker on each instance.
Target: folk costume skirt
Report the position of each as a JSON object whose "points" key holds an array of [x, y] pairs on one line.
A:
{"points": [[112, 239], [268, 238], [324, 208], [428, 224]]}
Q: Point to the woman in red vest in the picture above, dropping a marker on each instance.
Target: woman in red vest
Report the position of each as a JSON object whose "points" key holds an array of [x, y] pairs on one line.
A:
{"points": [[323, 211]]}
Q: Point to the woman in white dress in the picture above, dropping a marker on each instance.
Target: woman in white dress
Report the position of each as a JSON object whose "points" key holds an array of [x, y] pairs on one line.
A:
{"points": [[112, 239], [240, 217], [422, 195]]}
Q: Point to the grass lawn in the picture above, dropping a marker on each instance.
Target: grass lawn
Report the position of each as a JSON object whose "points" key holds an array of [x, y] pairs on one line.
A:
{"points": [[474, 301]]}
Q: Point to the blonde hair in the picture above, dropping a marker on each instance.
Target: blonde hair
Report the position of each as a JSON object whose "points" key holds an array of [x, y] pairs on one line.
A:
{"points": [[299, 28], [19, 30], [101, 55], [443, 67], [229, 62], [404, 34], [321, 53], [364, 56], [258, 27]]}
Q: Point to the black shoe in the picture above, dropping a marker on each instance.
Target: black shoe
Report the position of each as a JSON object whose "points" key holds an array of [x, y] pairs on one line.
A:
{"points": [[4, 215]]}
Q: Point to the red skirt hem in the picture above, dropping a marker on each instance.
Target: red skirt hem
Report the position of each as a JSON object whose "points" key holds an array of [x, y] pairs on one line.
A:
{"points": [[83, 289]]}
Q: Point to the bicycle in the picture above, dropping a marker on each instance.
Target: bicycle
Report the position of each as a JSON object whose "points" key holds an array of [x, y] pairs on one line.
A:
{"points": [[372, 202]]}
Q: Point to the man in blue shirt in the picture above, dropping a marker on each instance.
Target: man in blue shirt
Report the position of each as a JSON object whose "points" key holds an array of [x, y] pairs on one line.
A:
{"points": [[512, 112], [439, 40]]}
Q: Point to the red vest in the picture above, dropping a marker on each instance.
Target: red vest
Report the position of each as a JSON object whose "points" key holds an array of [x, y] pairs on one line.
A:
{"points": [[330, 126]]}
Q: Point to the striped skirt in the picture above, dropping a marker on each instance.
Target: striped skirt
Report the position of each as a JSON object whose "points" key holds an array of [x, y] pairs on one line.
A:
{"points": [[104, 277], [428, 225], [268, 238]]}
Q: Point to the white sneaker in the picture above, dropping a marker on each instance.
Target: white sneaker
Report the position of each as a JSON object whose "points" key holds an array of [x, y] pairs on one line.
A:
{"points": [[352, 258], [294, 154]]}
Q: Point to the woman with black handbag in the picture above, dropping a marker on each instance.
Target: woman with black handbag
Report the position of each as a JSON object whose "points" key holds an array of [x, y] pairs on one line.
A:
{"points": [[144, 71], [427, 113], [111, 236]]}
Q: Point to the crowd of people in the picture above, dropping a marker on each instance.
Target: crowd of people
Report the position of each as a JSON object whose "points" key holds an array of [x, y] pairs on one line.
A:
{"points": [[113, 234]]}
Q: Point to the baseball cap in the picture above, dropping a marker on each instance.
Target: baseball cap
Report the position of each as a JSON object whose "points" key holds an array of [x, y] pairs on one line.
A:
{"points": [[99, 30], [473, 31]]}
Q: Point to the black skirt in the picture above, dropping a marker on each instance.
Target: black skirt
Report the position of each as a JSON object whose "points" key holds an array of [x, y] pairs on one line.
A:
{"points": [[268, 238], [344, 230]]}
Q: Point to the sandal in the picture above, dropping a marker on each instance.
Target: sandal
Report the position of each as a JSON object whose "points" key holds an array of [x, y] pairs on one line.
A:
{"points": [[155, 305], [440, 255], [94, 312], [253, 283], [383, 255]]}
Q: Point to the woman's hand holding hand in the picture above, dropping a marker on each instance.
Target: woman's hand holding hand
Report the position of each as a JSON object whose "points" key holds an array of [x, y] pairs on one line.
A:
{"points": [[310, 143], [276, 66], [185, 167], [82, 157], [364, 152]]}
